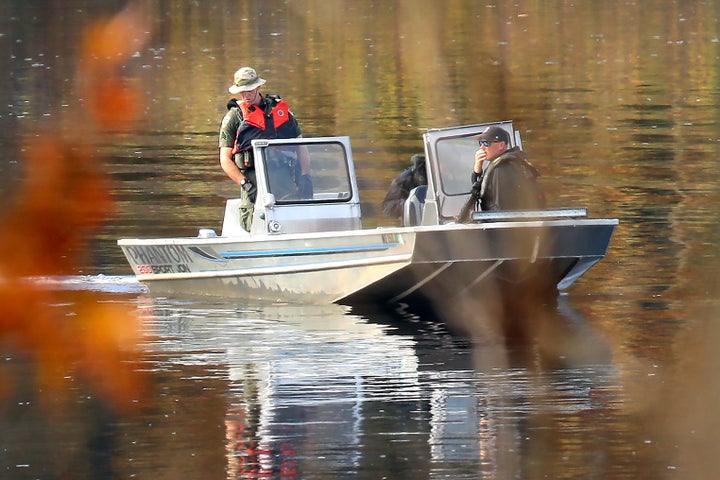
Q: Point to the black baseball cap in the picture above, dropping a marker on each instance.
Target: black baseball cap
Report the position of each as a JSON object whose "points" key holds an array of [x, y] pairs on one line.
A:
{"points": [[495, 134]]}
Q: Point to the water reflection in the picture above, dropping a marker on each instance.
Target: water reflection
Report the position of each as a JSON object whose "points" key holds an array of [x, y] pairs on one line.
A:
{"points": [[321, 392]]}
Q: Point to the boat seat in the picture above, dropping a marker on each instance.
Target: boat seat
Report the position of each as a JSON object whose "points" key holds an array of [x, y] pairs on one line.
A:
{"points": [[413, 206]]}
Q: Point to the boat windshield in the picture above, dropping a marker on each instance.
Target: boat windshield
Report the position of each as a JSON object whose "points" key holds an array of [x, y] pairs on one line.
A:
{"points": [[456, 157], [328, 181]]}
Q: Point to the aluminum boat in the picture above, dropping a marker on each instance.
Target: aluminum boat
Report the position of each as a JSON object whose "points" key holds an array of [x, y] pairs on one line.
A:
{"points": [[316, 249]]}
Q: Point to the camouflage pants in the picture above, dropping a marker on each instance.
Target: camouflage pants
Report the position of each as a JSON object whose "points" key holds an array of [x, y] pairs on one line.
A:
{"points": [[246, 210]]}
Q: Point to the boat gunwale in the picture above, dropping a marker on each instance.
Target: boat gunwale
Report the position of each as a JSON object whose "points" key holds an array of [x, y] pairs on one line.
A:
{"points": [[367, 232]]}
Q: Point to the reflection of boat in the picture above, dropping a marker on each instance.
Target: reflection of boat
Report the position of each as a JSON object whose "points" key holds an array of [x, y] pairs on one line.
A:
{"points": [[316, 250], [299, 376], [315, 390]]}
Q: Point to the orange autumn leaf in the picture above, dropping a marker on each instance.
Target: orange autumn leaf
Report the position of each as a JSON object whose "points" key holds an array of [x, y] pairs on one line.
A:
{"points": [[63, 198], [112, 102], [115, 104]]}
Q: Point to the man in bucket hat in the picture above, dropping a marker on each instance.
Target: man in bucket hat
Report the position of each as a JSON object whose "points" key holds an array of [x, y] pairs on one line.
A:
{"points": [[502, 177], [245, 80], [252, 117]]}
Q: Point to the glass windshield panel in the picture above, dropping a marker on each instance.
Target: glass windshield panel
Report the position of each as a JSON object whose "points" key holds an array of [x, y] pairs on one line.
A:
{"points": [[456, 158], [328, 181]]}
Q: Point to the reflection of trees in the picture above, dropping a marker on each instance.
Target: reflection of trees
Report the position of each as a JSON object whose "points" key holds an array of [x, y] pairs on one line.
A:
{"points": [[379, 71], [241, 427], [250, 454], [577, 79]]}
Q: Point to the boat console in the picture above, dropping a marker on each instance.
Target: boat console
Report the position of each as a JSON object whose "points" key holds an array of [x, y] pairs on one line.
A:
{"points": [[331, 204]]}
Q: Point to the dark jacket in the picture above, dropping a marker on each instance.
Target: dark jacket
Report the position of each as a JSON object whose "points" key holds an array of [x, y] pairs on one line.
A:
{"points": [[510, 183], [400, 187]]}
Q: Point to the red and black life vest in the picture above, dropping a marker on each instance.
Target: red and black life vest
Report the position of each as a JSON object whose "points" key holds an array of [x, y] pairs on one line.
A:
{"points": [[270, 119], [255, 115]]}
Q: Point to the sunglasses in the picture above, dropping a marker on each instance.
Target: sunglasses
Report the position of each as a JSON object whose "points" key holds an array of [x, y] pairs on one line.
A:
{"points": [[485, 143]]}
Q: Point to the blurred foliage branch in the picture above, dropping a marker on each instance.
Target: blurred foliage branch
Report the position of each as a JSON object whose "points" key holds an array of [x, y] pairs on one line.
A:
{"points": [[64, 197]]}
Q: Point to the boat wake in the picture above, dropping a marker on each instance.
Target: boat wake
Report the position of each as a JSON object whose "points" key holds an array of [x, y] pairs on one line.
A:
{"points": [[96, 283]]}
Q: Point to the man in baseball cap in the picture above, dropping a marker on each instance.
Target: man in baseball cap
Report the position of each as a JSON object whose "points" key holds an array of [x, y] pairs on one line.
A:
{"points": [[495, 134], [502, 177], [494, 141]]}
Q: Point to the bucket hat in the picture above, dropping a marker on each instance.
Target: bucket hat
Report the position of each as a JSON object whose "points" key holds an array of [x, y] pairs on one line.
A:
{"points": [[246, 79]]}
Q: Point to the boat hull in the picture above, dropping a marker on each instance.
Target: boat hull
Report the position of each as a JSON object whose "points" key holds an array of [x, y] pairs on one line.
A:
{"points": [[382, 265]]}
